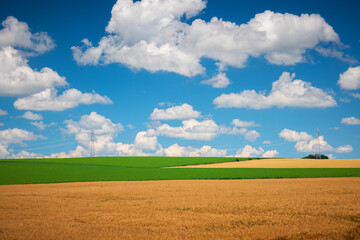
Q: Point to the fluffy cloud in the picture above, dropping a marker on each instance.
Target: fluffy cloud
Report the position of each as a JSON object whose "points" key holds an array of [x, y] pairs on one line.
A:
{"points": [[218, 81], [152, 35], [78, 152], [250, 135], [249, 151], [204, 151], [142, 55], [3, 151], [313, 145], [32, 116], [307, 143], [146, 141], [244, 124], [17, 34], [350, 121], [93, 122], [285, 92], [182, 112], [15, 135], [270, 154], [192, 130], [344, 149], [25, 154], [3, 112], [18, 79], [355, 95], [206, 130], [350, 79], [105, 131], [48, 100], [145, 19], [124, 149], [293, 136], [40, 125], [333, 52]]}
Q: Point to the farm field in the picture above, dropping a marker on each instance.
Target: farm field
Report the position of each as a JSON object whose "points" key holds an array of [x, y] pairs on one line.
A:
{"points": [[321, 208], [284, 163], [27, 171]]}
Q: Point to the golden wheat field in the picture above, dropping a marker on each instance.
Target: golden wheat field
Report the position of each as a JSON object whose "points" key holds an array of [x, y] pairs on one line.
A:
{"points": [[327, 208], [284, 163]]}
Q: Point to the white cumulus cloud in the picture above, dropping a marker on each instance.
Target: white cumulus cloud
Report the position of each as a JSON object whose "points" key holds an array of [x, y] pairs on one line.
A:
{"points": [[205, 151], [153, 35], [92, 122], [41, 125], [205, 130], [307, 143], [3, 112], [350, 79], [250, 135], [48, 100], [294, 136], [218, 81], [32, 116], [17, 34], [249, 151], [350, 121], [18, 79], [270, 153], [12, 136], [16, 135], [25, 154], [285, 92], [3, 151], [182, 112], [344, 149], [146, 140], [105, 132], [78, 152], [192, 130], [244, 124], [313, 145], [355, 95]]}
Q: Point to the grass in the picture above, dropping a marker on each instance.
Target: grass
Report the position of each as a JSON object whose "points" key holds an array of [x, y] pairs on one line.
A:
{"points": [[20, 171]]}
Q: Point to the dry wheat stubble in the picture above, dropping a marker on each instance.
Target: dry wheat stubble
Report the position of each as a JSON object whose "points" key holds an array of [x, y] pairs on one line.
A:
{"points": [[326, 208], [283, 163]]}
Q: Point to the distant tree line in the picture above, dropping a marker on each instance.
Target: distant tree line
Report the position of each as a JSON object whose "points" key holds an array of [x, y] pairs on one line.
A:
{"points": [[316, 156]]}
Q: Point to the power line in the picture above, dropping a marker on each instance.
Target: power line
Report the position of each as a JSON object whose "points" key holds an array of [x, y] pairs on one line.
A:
{"points": [[45, 147]]}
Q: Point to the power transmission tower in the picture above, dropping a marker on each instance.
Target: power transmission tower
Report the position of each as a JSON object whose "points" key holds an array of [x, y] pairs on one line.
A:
{"points": [[92, 144], [318, 144]]}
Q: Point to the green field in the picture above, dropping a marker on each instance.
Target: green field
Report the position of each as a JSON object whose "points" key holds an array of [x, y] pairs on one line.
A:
{"points": [[24, 171]]}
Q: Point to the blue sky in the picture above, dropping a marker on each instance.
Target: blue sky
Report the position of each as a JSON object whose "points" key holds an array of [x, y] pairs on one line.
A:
{"points": [[179, 78]]}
